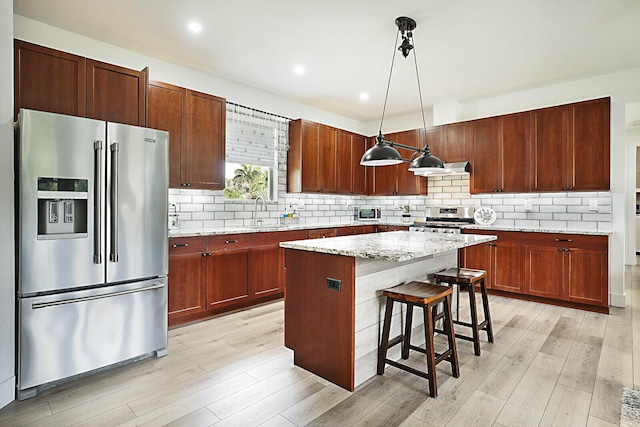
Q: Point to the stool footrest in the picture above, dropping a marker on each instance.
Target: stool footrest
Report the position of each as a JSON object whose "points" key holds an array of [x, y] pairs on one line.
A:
{"points": [[407, 368]]}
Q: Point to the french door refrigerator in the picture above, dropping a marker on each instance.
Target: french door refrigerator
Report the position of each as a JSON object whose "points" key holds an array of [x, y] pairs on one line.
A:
{"points": [[91, 243]]}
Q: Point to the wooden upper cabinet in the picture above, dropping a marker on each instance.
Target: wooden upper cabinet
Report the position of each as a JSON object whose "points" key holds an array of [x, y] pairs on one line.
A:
{"points": [[514, 136], [320, 158], [328, 159], [456, 142], [486, 156], [344, 163], [165, 106], [588, 145], [358, 172], [48, 80], [116, 94], [549, 149], [203, 148], [435, 139]]}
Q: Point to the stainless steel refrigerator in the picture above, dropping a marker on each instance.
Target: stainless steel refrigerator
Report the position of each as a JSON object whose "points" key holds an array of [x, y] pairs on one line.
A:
{"points": [[92, 245]]}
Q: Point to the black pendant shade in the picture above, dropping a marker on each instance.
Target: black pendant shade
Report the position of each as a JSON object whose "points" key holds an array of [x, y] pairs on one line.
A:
{"points": [[383, 152]]}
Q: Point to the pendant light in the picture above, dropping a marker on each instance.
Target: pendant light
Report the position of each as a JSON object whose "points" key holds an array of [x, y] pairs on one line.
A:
{"points": [[383, 152]]}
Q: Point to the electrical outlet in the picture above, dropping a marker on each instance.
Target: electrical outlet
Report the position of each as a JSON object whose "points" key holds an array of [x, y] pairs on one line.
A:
{"points": [[334, 284], [528, 205], [593, 205]]}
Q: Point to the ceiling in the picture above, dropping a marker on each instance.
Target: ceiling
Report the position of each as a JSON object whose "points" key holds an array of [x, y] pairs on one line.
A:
{"points": [[466, 49]]}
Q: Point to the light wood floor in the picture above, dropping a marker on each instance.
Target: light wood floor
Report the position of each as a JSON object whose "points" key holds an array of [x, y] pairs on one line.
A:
{"points": [[548, 366]]}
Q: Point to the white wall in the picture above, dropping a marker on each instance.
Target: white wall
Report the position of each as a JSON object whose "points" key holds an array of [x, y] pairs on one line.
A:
{"points": [[7, 278]]}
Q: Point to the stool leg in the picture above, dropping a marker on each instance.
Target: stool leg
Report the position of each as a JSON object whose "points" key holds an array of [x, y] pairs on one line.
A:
{"points": [[457, 289], [406, 338], [384, 343], [487, 314], [448, 327], [430, 350], [474, 320]]}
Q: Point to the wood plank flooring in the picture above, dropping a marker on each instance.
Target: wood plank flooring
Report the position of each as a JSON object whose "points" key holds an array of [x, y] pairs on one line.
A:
{"points": [[548, 366]]}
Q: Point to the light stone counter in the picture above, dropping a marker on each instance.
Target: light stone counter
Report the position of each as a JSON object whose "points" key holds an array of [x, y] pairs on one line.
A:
{"points": [[396, 246], [538, 230]]}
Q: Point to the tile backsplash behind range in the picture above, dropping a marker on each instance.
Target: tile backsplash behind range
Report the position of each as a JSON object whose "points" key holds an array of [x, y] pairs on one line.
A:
{"points": [[204, 208]]}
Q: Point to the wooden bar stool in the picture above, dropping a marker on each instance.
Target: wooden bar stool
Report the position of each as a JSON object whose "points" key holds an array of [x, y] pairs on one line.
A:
{"points": [[467, 279], [428, 296]]}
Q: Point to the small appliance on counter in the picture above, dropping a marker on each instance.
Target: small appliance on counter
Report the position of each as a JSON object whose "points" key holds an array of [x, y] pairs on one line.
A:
{"points": [[174, 218], [367, 213]]}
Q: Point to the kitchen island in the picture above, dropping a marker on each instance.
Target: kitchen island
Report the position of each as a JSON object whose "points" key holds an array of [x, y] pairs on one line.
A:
{"points": [[334, 305]]}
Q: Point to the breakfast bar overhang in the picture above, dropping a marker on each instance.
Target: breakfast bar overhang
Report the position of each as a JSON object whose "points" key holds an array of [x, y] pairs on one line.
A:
{"points": [[333, 302]]}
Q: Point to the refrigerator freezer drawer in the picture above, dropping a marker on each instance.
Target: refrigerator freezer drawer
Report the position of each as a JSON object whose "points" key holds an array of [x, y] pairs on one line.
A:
{"points": [[71, 333]]}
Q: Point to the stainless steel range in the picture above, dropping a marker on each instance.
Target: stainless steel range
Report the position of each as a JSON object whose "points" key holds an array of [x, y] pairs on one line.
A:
{"points": [[444, 219]]}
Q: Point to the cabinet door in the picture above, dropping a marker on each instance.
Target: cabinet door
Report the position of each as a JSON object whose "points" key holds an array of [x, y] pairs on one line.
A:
{"points": [[310, 141], [358, 172], [587, 277], [227, 277], [164, 111], [478, 257], [435, 139], [266, 270], [485, 156], [344, 163], [116, 94], [384, 180], [327, 166], [549, 149], [204, 145], [507, 270], [514, 134], [408, 182], [544, 268], [588, 167], [48, 80], [186, 294], [455, 142]]}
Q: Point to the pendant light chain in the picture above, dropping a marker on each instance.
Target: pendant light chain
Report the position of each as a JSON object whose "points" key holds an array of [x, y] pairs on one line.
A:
{"points": [[386, 95], [424, 123]]}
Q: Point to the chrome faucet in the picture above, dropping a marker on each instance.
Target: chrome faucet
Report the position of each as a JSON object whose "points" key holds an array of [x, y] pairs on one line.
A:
{"points": [[255, 210]]}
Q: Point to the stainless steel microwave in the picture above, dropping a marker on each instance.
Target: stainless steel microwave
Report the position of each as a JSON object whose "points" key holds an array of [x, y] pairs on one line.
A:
{"points": [[368, 214]]}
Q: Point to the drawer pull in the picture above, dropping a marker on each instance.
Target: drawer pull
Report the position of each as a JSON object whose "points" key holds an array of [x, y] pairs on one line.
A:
{"points": [[563, 240], [230, 241], [180, 245]]}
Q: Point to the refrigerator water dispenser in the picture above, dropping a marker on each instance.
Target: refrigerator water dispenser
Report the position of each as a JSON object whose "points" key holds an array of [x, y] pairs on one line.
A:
{"points": [[62, 208]]}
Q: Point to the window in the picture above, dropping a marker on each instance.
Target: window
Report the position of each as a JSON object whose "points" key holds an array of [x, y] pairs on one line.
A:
{"points": [[252, 152]]}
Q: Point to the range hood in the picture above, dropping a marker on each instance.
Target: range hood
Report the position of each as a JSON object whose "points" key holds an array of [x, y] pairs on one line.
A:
{"points": [[449, 169]]}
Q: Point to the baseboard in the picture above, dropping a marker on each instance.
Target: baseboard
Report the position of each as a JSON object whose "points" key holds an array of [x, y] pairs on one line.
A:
{"points": [[618, 300], [7, 392]]}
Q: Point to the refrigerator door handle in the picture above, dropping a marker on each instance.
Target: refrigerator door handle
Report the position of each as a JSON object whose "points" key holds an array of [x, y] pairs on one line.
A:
{"points": [[37, 305], [113, 256], [97, 194]]}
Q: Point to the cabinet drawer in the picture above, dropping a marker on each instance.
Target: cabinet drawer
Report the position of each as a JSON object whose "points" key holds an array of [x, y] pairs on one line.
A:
{"points": [[229, 242], [322, 232], [274, 238], [568, 241], [187, 245]]}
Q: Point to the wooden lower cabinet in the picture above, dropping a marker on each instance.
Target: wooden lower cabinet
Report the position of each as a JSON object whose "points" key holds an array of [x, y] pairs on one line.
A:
{"points": [[502, 259], [558, 267], [215, 274], [384, 228]]}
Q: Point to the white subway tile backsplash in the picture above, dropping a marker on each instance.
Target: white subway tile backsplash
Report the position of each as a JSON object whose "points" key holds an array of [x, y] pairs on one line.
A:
{"points": [[553, 208], [567, 217]]}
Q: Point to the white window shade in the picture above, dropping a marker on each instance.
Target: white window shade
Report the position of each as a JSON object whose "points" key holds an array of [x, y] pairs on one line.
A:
{"points": [[252, 136]]}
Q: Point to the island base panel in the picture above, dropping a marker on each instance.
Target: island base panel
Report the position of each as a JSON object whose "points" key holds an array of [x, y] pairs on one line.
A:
{"points": [[320, 320]]}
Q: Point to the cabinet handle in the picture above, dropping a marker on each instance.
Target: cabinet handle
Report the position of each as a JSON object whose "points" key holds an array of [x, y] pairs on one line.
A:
{"points": [[230, 241], [563, 240], [498, 190], [570, 188], [180, 245], [563, 249], [205, 254], [186, 184]]}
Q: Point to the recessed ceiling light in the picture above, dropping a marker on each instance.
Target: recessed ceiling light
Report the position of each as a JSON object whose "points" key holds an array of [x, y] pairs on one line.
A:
{"points": [[298, 69], [194, 27], [364, 96]]}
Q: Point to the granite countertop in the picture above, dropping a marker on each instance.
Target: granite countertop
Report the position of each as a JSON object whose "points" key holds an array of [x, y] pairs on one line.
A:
{"points": [[392, 246], [537, 230], [192, 232]]}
